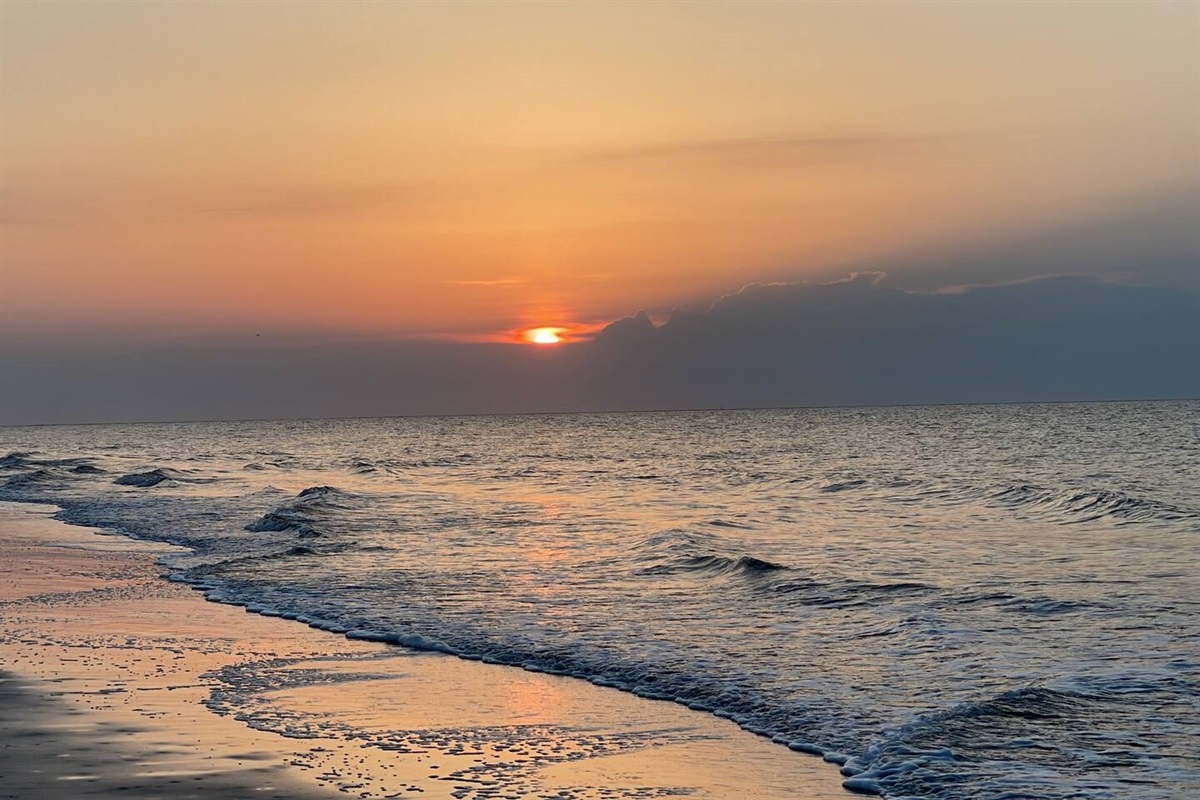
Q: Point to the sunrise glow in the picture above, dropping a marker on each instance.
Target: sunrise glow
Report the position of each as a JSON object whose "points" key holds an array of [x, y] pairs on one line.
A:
{"points": [[545, 335]]}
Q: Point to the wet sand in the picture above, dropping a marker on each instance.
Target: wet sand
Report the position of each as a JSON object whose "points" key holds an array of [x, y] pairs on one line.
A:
{"points": [[117, 683]]}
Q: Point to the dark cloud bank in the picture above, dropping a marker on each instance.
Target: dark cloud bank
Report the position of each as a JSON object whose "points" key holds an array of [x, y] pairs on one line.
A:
{"points": [[857, 342]]}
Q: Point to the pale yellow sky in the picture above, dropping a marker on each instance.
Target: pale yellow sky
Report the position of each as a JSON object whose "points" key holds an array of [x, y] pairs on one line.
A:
{"points": [[394, 169]]}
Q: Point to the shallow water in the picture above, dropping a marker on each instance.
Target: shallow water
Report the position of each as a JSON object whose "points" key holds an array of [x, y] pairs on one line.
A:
{"points": [[962, 602]]}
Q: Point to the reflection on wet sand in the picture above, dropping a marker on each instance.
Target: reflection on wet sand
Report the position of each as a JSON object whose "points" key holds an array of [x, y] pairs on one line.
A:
{"points": [[134, 667]]}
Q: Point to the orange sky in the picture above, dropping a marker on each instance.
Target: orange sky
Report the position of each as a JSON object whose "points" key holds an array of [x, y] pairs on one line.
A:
{"points": [[413, 169]]}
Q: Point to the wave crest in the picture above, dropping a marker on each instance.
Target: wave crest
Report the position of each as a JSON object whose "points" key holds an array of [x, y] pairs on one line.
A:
{"points": [[302, 515], [17, 459], [725, 565], [1089, 505], [35, 478], [145, 479]]}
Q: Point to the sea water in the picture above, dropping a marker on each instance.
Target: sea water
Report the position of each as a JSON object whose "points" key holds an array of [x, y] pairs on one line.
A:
{"points": [[945, 602]]}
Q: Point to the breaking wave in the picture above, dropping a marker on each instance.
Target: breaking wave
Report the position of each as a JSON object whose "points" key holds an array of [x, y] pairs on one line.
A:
{"points": [[304, 514]]}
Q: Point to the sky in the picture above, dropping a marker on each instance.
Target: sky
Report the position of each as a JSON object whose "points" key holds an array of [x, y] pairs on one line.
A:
{"points": [[406, 189]]}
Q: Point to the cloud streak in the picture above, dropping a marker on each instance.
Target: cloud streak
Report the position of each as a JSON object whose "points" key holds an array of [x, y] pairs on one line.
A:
{"points": [[314, 200], [791, 149], [498, 283]]}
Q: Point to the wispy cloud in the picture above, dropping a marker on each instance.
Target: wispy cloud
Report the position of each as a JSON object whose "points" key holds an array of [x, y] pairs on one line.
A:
{"points": [[26, 204], [794, 148], [24, 208], [499, 283], [313, 200]]}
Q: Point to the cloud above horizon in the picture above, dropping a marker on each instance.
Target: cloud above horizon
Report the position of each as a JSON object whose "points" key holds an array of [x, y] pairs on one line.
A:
{"points": [[1152, 238], [853, 342]]}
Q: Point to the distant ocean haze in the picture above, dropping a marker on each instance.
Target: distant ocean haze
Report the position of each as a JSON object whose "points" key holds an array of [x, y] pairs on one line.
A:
{"points": [[957, 602]]}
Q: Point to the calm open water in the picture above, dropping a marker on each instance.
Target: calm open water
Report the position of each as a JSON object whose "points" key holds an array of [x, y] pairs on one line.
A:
{"points": [[956, 602]]}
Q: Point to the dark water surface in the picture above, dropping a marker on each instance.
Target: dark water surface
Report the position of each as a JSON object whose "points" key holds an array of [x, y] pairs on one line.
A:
{"points": [[961, 602]]}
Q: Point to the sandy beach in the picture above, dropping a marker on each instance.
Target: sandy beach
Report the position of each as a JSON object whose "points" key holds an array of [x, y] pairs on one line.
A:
{"points": [[117, 683]]}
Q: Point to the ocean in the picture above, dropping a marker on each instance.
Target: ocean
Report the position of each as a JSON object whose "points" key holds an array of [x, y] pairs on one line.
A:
{"points": [[946, 602]]}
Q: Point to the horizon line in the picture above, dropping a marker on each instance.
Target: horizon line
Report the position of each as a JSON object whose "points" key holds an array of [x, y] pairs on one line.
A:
{"points": [[688, 410]]}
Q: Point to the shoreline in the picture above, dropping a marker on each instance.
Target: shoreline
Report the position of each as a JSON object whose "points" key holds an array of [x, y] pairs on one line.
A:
{"points": [[139, 686]]}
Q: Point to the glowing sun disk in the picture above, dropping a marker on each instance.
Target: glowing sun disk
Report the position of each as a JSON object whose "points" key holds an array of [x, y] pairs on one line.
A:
{"points": [[544, 335]]}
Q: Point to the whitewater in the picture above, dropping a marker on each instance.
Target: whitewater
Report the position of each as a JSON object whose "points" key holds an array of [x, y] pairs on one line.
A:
{"points": [[944, 602]]}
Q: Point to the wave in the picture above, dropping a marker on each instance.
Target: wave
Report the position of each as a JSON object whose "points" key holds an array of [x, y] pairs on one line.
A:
{"points": [[18, 459], [665, 547], [159, 475], [302, 514], [728, 523], [1065, 504], [674, 553], [717, 565], [682, 551], [1078, 506], [847, 593], [841, 486], [1038, 605], [145, 479], [1028, 703], [33, 478], [283, 520], [458, 460], [322, 494], [1088, 506], [938, 750]]}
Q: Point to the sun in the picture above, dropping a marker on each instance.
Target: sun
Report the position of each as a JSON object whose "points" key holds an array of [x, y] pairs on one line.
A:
{"points": [[544, 335]]}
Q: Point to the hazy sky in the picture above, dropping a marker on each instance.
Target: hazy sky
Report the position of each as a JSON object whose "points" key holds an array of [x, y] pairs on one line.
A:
{"points": [[194, 174]]}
